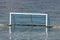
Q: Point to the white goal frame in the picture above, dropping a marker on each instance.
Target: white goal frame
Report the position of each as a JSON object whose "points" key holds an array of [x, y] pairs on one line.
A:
{"points": [[29, 14]]}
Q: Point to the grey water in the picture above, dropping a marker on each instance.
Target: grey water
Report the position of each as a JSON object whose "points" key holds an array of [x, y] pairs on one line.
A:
{"points": [[51, 7], [29, 33]]}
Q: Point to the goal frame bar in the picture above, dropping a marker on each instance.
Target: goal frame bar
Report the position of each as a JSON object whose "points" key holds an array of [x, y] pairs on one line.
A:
{"points": [[29, 14]]}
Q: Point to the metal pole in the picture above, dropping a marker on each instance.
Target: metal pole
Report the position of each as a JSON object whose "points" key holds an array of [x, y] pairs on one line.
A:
{"points": [[46, 27], [10, 28]]}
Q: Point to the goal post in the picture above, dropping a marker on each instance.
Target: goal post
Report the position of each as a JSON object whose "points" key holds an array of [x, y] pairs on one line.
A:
{"points": [[33, 15]]}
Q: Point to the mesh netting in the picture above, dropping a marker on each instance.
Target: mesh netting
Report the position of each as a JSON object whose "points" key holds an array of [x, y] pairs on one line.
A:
{"points": [[28, 27]]}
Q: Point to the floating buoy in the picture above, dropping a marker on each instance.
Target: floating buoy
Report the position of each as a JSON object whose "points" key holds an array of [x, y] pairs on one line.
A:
{"points": [[49, 26]]}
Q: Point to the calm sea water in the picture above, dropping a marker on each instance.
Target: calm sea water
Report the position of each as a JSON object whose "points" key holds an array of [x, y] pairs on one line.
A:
{"points": [[30, 34], [52, 7]]}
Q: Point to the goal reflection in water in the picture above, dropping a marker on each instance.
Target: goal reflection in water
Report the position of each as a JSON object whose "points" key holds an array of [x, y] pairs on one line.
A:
{"points": [[28, 27]]}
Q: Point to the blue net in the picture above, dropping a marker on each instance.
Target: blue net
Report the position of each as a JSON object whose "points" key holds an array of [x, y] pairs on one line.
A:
{"points": [[28, 27]]}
